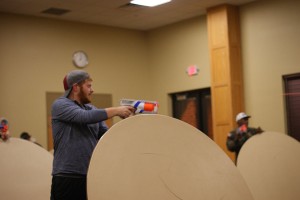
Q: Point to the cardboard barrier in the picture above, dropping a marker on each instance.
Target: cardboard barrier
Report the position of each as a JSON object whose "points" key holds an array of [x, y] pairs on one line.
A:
{"points": [[148, 157], [25, 170], [270, 164]]}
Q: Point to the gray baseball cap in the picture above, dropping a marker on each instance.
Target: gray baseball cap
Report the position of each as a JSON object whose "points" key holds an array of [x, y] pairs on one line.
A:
{"points": [[75, 76]]}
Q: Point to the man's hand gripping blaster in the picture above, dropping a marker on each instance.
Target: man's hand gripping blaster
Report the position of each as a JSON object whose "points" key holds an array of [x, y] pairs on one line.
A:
{"points": [[141, 106]]}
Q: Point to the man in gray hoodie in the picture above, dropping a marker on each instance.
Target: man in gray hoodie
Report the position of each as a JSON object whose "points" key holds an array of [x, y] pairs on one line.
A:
{"points": [[76, 127]]}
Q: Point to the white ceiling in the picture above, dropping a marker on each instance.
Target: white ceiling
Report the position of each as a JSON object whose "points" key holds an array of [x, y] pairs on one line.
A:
{"points": [[115, 12]]}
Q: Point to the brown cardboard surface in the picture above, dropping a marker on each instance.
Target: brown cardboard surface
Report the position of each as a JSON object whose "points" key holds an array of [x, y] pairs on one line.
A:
{"points": [[158, 157], [270, 164], [25, 170]]}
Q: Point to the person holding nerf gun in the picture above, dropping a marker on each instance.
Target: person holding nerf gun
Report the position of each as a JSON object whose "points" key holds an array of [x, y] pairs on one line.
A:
{"points": [[4, 132], [238, 136], [77, 126]]}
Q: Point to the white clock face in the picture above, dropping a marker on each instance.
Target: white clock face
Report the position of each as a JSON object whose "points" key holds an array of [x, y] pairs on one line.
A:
{"points": [[80, 59]]}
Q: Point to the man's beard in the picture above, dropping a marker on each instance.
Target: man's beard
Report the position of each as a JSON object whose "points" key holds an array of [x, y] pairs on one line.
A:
{"points": [[83, 98]]}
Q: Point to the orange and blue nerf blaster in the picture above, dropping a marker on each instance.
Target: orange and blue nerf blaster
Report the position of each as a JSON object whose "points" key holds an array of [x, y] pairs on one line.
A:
{"points": [[141, 106]]}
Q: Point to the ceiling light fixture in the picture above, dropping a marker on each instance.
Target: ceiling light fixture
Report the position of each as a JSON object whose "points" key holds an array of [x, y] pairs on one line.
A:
{"points": [[149, 3]]}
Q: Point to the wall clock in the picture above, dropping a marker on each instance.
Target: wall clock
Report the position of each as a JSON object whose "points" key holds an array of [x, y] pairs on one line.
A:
{"points": [[80, 59]]}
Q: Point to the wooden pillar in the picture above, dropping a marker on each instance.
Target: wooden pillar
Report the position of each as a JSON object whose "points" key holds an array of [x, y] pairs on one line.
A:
{"points": [[226, 70]]}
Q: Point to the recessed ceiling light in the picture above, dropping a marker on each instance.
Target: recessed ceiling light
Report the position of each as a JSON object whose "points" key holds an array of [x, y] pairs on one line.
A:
{"points": [[149, 3]]}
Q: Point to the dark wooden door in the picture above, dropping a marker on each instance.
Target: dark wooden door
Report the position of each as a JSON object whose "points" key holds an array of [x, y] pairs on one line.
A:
{"points": [[292, 102]]}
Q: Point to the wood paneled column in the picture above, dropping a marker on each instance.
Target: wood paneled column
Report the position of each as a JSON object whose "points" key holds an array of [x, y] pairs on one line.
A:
{"points": [[226, 70]]}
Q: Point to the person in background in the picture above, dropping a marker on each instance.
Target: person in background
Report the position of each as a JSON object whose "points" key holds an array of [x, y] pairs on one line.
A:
{"points": [[27, 136], [238, 136], [77, 126], [4, 132]]}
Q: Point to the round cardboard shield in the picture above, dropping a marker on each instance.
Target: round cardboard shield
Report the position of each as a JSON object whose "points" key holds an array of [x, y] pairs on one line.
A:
{"points": [[25, 170], [270, 164], [158, 157]]}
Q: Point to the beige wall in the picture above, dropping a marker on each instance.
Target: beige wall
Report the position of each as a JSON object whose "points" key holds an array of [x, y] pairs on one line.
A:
{"points": [[174, 48], [36, 54], [270, 49]]}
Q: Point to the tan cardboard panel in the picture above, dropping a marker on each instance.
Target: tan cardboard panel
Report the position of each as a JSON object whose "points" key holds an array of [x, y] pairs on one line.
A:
{"points": [[158, 157], [270, 164], [25, 170]]}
